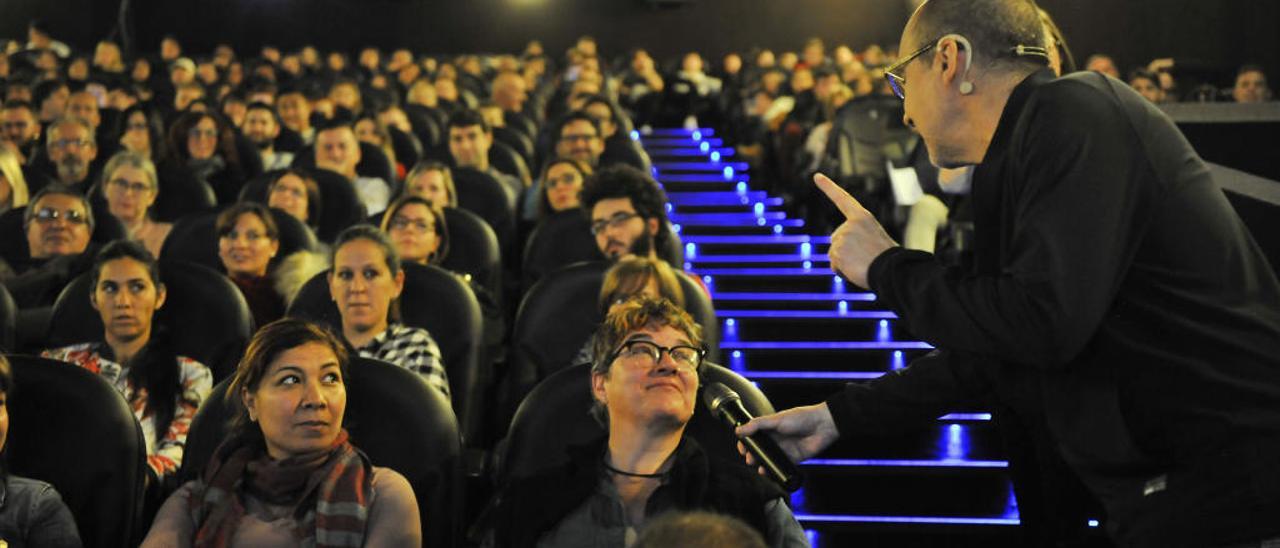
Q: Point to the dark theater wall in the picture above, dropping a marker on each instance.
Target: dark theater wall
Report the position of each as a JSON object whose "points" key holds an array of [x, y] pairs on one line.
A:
{"points": [[1220, 32]]}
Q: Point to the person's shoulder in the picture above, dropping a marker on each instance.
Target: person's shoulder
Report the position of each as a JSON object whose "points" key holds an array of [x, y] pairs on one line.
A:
{"points": [[411, 333], [192, 369], [1076, 92], [30, 487], [388, 480]]}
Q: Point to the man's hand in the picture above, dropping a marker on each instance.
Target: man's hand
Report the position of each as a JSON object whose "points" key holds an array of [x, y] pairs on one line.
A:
{"points": [[859, 240], [801, 432]]}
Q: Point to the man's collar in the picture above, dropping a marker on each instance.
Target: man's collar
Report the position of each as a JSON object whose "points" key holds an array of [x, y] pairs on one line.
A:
{"points": [[1013, 108]]}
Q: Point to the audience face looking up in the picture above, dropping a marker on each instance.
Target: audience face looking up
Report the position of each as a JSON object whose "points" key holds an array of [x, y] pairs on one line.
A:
{"points": [[432, 181], [295, 111], [260, 126], [84, 105], [71, 148], [627, 211], [127, 293], [469, 142], [202, 139], [365, 280], [414, 226], [20, 125], [562, 182], [130, 186], [579, 138], [1251, 86], [292, 383], [293, 193], [58, 223], [337, 150], [246, 242]]}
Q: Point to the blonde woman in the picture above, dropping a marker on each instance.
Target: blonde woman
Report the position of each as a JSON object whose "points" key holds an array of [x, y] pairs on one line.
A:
{"points": [[13, 186]]}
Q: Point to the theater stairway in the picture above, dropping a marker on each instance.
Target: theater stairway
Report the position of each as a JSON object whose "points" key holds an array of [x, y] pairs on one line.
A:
{"points": [[800, 333]]}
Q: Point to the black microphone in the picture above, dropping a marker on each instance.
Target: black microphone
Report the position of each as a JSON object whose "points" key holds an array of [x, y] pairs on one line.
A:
{"points": [[727, 404]]}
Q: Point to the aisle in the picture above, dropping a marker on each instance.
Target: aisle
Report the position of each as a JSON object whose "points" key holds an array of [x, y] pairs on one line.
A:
{"points": [[800, 333]]}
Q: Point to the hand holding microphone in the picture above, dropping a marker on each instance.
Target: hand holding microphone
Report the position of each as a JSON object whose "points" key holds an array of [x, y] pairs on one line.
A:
{"points": [[764, 451]]}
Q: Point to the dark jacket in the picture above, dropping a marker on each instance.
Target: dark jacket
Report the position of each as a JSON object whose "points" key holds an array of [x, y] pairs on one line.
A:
{"points": [[1117, 299], [532, 507]]}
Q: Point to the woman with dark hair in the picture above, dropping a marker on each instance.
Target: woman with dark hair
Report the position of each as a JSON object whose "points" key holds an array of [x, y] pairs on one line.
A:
{"points": [[141, 131], [286, 474], [296, 193], [560, 185], [248, 239], [31, 512], [369, 129], [163, 388], [206, 146], [365, 283], [417, 228]]}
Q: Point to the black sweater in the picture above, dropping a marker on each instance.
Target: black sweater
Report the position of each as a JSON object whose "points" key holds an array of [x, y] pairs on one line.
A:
{"points": [[1117, 296]]}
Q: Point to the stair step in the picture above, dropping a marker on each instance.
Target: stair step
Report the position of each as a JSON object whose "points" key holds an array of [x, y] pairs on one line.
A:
{"points": [[802, 325]]}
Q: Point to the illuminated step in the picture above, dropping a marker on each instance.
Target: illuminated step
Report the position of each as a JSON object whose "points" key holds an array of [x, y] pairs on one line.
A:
{"points": [[814, 314], [764, 239], [723, 177], [700, 166], [907, 463], [678, 132], [779, 296], [816, 519]]}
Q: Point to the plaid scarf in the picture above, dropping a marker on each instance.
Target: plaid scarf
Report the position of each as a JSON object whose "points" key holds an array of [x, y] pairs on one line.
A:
{"points": [[329, 491]]}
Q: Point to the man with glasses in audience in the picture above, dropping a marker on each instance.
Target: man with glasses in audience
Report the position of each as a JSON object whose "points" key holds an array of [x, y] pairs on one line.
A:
{"points": [[57, 223], [628, 215], [619, 147], [1117, 309], [648, 357], [72, 149], [578, 136]]}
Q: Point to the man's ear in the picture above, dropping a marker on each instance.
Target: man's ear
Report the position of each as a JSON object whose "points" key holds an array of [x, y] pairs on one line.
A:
{"points": [[597, 387], [652, 226]]}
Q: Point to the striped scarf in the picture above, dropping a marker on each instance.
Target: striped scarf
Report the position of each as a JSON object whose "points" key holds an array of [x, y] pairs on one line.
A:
{"points": [[329, 491]]}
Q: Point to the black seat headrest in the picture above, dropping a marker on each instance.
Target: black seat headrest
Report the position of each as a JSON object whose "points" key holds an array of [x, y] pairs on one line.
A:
{"points": [[560, 239], [473, 249], [96, 460]]}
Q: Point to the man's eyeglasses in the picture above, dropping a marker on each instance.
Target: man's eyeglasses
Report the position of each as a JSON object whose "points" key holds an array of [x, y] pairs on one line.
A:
{"points": [[612, 222], [572, 138], [896, 81], [48, 215], [648, 354], [63, 144]]}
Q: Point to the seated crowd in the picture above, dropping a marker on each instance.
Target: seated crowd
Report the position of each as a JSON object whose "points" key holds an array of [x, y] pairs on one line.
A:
{"points": [[284, 170]]}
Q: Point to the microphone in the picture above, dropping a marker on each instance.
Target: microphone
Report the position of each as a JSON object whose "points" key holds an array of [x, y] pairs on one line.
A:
{"points": [[727, 404]]}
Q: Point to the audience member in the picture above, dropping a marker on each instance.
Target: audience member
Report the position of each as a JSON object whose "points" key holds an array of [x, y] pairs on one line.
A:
{"points": [[131, 187], [578, 137], [13, 185], [84, 105], [560, 187], [433, 181], [366, 282], [644, 380], [619, 147], [417, 228], [337, 150], [470, 138], [21, 128], [627, 209], [295, 113], [72, 148], [247, 241], [261, 127], [202, 144], [1251, 85], [1104, 64], [50, 99], [371, 130], [630, 278], [296, 193], [287, 474], [1147, 84], [698, 530], [31, 511], [142, 132], [135, 355]]}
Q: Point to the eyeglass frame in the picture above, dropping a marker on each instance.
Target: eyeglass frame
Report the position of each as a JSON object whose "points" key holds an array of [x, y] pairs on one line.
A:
{"points": [[701, 353], [47, 215], [617, 219], [898, 83]]}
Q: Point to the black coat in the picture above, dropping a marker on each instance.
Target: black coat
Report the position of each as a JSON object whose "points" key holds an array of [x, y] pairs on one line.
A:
{"points": [[1116, 300]]}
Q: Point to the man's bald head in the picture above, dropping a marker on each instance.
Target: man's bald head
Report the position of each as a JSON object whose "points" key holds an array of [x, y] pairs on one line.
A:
{"points": [[995, 28]]}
